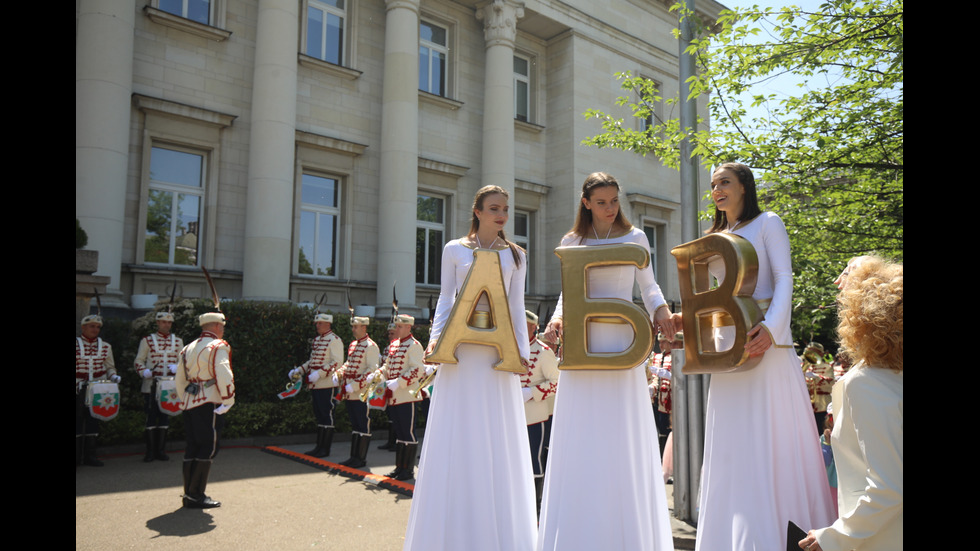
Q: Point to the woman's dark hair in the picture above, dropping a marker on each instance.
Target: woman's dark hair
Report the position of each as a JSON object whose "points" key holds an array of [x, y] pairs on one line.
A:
{"points": [[583, 220], [750, 206], [482, 194]]}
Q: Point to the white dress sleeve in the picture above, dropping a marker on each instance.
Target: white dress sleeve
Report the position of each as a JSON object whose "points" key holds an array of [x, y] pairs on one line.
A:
{"points": [[777, 319], [515, 300], [653, 297], [447, 290], [566, 241]]}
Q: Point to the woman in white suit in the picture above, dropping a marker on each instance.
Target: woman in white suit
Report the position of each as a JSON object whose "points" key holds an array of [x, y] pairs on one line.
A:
{"points": [[868, 413]]}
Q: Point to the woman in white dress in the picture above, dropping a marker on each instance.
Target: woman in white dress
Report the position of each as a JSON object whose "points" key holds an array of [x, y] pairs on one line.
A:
{"points": [[475, 488], [762, 461], [603, 484], [868, 435]]}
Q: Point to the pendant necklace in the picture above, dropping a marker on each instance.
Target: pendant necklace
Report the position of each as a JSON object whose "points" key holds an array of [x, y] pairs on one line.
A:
{"points": [[597, 233], [491, 244]]}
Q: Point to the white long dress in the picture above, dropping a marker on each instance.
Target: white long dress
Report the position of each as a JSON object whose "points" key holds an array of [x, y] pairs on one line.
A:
{"points": [[603, 484], [475, 488], [762, 461]]}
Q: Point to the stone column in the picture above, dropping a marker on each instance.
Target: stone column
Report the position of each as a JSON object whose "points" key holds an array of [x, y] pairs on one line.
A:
{"points": [[271, 153], [499, 30], [103, 88], [399, 154]]}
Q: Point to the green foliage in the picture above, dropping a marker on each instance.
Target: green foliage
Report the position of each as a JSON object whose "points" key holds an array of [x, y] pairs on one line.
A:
{"points": [[830, 158], [81, 238], [267, 340]]}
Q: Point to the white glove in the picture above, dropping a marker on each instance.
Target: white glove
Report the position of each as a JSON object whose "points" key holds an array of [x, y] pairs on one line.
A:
{"points": [[430, 369], [147, 373], [811, 375], [394, 384], [348, 388], [173, 369], [292, 372], [528, 394], [222, 409], [314, 376], [115, 378], [335, 379], [662, 373]]}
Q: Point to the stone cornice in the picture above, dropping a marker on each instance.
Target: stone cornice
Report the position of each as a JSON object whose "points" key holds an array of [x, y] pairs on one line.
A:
{"points": [[327, 143], [175, 21], [168, 108]]}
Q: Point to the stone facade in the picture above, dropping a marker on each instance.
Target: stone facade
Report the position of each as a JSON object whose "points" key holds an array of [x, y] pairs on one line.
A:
{"points": [[242, 95]]}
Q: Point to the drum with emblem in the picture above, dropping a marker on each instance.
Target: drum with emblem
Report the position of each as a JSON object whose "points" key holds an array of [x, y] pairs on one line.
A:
{"points": [[102, 399], [168, 401]]}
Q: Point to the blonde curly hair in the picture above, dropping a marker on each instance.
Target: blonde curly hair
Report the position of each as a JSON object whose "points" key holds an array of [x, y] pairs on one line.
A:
{"points": [[871, 311]]}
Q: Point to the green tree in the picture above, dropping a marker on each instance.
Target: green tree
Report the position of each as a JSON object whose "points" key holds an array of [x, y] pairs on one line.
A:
{"points": [[829, 156]]}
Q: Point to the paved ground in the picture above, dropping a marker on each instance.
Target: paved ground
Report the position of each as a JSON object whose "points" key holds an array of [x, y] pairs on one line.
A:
{"points": [[268, 502]]}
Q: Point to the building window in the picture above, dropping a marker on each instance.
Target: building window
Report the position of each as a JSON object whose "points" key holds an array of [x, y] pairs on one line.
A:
{"points": [[325, 21], [653, 233], [522, 88], [429, 239], [195, 10], [319, 215], [433, 58], [522, 236], [173, 212]]}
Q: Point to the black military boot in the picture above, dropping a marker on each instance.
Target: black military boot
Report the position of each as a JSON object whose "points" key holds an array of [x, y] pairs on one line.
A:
{"points": [[148, 436], [359, 450], [408, 462], [89, 456], [327, 441], [390, 444], [355, 438], [188, 471], [538, 492], [317, 450], [198, 485], [399, 461], [160, 450]]}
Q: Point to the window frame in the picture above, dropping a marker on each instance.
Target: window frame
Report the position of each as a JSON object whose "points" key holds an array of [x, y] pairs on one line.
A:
{"points": [[529, 93], [346, 42], [428, 227], [336, 211], [202, 192], [446, 50]]}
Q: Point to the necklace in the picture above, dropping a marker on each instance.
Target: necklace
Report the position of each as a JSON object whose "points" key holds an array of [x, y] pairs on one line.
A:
{"points": [[481, 244], [597, 233]]}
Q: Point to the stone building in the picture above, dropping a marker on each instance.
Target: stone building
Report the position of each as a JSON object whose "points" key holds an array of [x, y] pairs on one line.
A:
{"points": [[295, 147]]}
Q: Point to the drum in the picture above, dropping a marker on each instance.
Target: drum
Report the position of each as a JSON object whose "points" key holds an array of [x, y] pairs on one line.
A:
{"points": [[102, 399], [167, 399]]}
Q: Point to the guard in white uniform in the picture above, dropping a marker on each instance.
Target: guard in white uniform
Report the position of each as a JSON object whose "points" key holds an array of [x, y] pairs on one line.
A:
{"points": [[206, 386], [321, 372], [362, 361], [93, 361], [538, 386], [403, 371], [157, 357]]}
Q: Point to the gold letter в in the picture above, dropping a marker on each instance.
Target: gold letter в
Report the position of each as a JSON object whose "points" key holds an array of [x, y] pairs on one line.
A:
{"points": [[466, 324], [732, 297], [578, 308]]}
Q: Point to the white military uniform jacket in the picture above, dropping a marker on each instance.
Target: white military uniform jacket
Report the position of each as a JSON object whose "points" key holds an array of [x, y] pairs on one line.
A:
{"points": [[93, 360], [326, 357], [405, 364], [542, 379], [207, 362], [362, 360], [157, 352]]}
